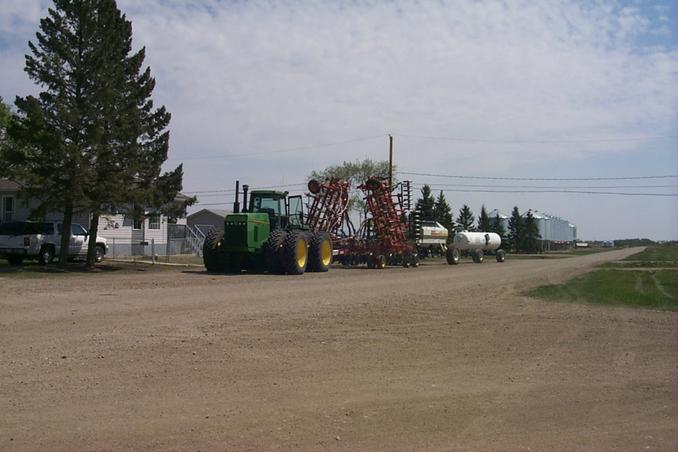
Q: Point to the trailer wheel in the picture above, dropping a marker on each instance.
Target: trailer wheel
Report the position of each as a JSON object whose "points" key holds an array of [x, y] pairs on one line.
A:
{"points": [[478, 256], [212, 251], [273, 251], [371, 261], [14, 259], [452, 255], [320, 252], [46, 255], [295, 253], [501, 256]]}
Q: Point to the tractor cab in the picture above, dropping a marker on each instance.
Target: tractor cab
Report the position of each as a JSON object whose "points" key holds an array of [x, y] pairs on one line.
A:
{"points": [[283, 212]]}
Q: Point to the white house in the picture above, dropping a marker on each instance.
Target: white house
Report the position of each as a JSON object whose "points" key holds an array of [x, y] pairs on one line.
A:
{"points": [[126, 235]]}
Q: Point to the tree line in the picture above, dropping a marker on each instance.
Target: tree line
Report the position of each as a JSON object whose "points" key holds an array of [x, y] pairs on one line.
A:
{"points": [[92, 140]]}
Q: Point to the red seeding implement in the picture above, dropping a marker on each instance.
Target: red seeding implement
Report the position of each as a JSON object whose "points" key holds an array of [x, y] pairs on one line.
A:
{"points": [[383, 237]]}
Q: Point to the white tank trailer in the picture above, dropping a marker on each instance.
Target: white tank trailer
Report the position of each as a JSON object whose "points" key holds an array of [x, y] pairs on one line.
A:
{"points": [[477, 244]]}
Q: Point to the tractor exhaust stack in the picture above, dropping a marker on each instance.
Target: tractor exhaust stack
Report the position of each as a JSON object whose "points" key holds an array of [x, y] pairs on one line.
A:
{"points": [[236, 203], [245, 188]]}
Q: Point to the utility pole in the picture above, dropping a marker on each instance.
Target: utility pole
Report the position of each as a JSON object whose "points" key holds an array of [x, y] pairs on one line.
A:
{"points": [[390, 161]]}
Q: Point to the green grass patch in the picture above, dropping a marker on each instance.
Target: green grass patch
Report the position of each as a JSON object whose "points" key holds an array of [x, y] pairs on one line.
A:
{"points": [[659, 253], [640, 289]]}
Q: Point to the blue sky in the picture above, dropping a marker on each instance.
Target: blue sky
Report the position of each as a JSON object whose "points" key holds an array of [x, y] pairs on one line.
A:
{"points": [[266, 92]]}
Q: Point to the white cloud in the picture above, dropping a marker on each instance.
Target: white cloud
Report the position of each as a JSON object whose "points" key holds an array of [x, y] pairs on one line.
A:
{"points": [[257, 76]]}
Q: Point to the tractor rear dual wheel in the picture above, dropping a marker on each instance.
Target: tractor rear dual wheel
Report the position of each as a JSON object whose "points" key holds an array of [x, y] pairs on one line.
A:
{"points": [[295, 253], [319, 252]]}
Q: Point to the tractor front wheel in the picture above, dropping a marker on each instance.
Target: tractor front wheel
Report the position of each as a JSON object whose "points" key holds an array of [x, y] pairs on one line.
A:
{"points": [[212, 251], [295, 253], [273, 249]]}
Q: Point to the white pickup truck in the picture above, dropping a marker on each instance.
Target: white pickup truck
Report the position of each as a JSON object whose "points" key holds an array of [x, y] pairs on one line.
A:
{"points": [[21, 240]]}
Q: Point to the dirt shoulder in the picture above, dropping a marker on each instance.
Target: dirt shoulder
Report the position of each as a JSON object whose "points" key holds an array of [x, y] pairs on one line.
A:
{"points": [[435, 357]]}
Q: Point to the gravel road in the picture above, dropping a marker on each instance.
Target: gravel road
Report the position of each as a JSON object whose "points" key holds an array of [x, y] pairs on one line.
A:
{"points": [[437, 357]]}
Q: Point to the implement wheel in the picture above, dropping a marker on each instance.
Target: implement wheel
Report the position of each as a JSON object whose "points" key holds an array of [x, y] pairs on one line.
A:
{"points": [[295, 253], [320, 252], [212, 251], [478, 256], [501, 256], [452, 255], [273, 251]]}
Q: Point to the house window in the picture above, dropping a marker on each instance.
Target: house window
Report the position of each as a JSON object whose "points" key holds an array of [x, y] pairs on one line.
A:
{"points": [[154, 221], [138, 223], [8, 208]]}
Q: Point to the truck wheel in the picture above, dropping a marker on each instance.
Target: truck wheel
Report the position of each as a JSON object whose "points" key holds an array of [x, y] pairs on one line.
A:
{"points": [[414, 261], [295, 253], [99, 252], [380, 262], [46, 255], [501, 256], [320, 252], [212, 251], [478, 256], [452, 255], [15, 260], [273, 251]]}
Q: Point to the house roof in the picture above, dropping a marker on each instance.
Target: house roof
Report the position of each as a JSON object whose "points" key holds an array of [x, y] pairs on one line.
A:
{"points": [[8, 185], [218, 212]]}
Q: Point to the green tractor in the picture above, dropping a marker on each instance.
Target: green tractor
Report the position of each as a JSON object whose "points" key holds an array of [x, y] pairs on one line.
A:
{"points": [[269, 235]]}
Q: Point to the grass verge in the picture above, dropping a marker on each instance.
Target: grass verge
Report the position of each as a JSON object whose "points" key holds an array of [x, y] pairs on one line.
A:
{"points": [[639, 289]]}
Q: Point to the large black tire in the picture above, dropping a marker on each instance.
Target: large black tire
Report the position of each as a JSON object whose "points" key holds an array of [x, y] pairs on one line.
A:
{"points": [[295, 253], [501, 256], [319, 252], [212, 251], [46, 255], [273, 249], [99, 252], [478, 256], [452, 255], [15, 260]]}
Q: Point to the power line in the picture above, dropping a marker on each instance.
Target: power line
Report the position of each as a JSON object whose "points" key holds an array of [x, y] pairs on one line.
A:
{"points": [[525, 141], [561, 191], [279, 151], [545, 186], [450, 176], [232, 190]]}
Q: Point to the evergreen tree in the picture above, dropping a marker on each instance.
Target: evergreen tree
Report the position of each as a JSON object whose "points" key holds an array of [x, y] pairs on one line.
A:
{"points": [[5, 119], [484, 223], [497, 227], [465, 220], [93, 137], [532, 236], [426, 204], [516, 231], [442, 213]]}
